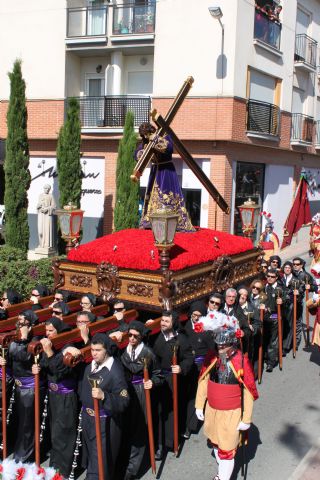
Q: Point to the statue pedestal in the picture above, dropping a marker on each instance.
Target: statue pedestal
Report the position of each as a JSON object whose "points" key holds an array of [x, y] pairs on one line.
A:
{"points": [[44, 252]]}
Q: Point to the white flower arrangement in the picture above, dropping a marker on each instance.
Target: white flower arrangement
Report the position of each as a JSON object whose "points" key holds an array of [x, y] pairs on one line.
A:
{"points": [[216, 321], [10, 470]]}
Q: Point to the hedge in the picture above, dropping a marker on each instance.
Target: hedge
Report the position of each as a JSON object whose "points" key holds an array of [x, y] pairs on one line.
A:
{"points": [[21, 274]]}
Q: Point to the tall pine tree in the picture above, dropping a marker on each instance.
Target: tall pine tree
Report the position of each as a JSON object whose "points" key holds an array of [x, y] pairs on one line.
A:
{"points": [[16, 167], [68, 157], [126, 212]]}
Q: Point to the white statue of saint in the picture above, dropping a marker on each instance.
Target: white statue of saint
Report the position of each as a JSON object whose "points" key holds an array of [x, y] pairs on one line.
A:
{"points": [[46, 207]]}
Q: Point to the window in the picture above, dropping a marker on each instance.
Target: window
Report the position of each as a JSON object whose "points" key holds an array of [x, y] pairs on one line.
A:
{"points": [[262, 86], [140, 83]]}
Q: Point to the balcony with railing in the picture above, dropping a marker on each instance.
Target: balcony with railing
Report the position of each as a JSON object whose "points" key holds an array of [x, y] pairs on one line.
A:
{"points": [[110, 111], [90, 24], [267, 30], [134, 19], [305, 54], [263, 119], [87, 24], [301, 129]]}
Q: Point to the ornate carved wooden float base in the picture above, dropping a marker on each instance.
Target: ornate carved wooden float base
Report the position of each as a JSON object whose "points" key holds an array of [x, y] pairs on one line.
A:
{"points": [[153, 289]]}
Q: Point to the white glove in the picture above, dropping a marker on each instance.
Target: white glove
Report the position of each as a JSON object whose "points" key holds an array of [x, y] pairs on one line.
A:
{"points": [[243, 426], [315, 297], [199, 414]]}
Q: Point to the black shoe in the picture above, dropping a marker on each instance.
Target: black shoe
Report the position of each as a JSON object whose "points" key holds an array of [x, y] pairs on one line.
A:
{"points": [[186, 434], [284, 353], [269, 368], [159, 454]]}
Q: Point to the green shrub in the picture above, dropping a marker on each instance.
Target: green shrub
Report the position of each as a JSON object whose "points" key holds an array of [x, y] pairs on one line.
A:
{"points": [[8, 254], [24, 275]]}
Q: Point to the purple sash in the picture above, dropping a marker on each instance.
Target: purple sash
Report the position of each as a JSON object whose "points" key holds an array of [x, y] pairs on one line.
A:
{"points": [[8, 374], [26, 382], [199, 360], [67, 385], [90, 412], [137, 379]]}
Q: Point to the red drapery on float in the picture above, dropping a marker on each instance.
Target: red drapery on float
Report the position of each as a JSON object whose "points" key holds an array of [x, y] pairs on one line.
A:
{"points": [[299, 214]]}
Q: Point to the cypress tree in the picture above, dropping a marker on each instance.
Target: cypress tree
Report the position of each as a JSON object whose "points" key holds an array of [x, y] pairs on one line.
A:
{"points": [[68, 157], [126, 212], [16, 167]]}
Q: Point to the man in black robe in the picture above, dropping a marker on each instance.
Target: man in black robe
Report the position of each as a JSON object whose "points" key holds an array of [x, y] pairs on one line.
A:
{"points": [[270, 321], [133, 358], [63, 401], [20, 362], [113, 397], [171, 338]]}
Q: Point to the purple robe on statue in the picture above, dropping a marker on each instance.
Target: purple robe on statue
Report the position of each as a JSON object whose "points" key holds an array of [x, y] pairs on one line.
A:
{"points": [[163, 188]]}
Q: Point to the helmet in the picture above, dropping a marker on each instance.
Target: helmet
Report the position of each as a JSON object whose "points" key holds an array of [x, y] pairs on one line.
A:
{"points": [[226, 337]]}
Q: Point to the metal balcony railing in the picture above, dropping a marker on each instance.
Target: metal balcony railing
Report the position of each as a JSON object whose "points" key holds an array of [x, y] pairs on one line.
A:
{"points": [[318, 133], [263, 117], [267, 30], [306, 50], [110, 111], [87, 21], [301, 128], [133, 19]]}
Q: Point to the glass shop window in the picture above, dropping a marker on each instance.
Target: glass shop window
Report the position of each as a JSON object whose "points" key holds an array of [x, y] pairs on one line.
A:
{"points": [[249, 184], [193, 204]]}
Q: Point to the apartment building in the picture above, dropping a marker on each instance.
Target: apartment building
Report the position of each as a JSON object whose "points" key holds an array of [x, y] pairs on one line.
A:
{"points": [[251, 120]]}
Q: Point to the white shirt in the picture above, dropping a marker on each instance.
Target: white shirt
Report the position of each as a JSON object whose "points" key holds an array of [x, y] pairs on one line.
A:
{"points": [[288, 278], [137, 350], [170, 335], [107, 363]]}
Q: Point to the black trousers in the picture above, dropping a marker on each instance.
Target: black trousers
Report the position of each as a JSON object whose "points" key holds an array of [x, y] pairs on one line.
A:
{"points": [[111, 429], [270, 342], [288, 326], [193, 423], [63, 428]]}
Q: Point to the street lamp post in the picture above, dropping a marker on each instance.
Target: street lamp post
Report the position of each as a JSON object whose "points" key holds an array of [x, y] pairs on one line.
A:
{"points": [[164, 224], [70, 221], [249, 213]]}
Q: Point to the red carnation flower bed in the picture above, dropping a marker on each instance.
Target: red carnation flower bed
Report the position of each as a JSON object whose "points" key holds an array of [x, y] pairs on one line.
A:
{"points": [[134, 249]]}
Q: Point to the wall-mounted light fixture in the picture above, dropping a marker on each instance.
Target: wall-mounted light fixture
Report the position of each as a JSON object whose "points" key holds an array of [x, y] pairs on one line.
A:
{"points": [[98, 68]]}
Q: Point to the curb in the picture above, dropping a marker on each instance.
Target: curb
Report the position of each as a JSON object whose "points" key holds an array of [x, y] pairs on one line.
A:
{"points": [[309, 467]]}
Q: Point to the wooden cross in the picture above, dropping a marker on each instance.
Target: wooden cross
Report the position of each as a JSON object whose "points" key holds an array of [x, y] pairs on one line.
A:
{"points": [[163, 125]]}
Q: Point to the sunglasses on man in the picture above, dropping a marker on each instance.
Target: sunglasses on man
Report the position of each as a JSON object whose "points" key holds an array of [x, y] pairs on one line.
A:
{"points": [[134, 335]]}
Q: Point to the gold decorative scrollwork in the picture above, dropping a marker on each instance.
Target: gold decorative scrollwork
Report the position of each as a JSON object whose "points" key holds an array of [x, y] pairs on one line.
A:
{"points": [[190, 286], [109, 283], [222, 273], [140, 290], [58, 274], [83, 281]]}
